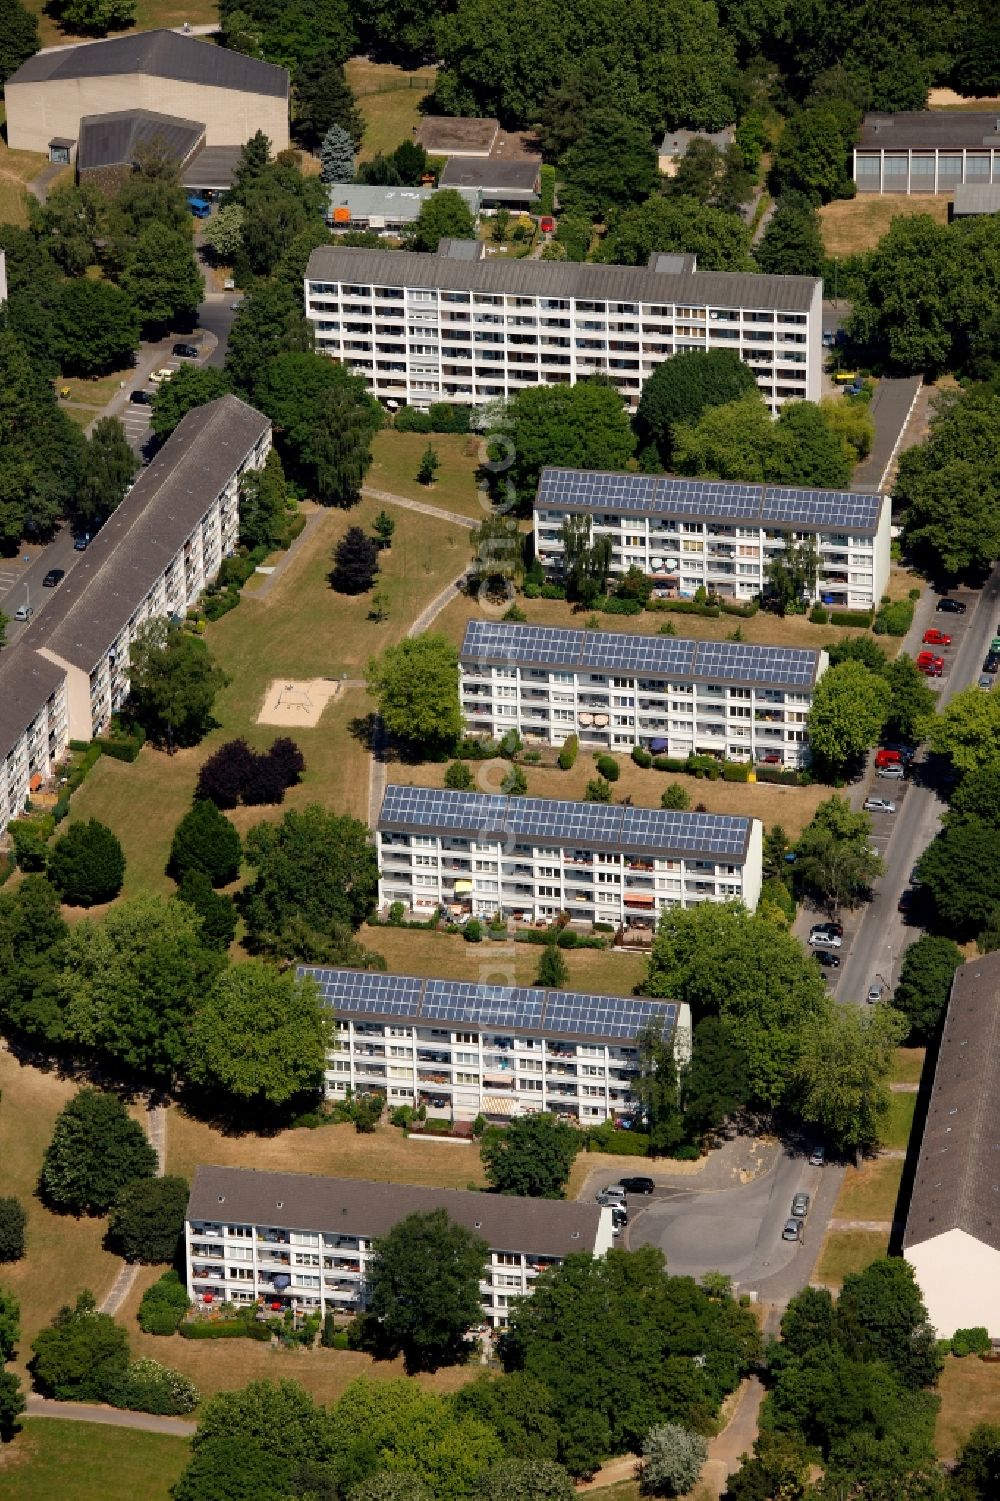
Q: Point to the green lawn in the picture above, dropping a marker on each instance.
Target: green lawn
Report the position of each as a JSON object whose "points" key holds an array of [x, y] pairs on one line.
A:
{"points": [[16, 169], [908, 1065], [846, 1251], [148, 15], [389, 99], [409, 951], [870, 1192], [899, 1123], [397, 457], [53, 1459]]}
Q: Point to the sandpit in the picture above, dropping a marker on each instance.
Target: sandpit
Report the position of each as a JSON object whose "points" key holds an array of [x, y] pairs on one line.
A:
{"points": [[292, 701]]}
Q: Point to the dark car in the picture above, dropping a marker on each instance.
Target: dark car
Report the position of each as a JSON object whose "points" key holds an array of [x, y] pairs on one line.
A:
{"points": [[906, 901], [141, 398], [82, 543], [949, 606], [831, 929], [186, 351], [637, 1185], [53, 577], [991, 662], [824, 957]]}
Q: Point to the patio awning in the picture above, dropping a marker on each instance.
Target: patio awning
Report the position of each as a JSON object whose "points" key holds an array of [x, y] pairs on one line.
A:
{"points": [[639, 899], [498, 1104], [462, 888]]}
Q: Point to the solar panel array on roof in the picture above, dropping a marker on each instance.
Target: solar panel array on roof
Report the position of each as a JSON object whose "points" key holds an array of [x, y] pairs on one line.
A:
{"points": [[557, 821], [406, 998], [646, 494], [653, 656]]}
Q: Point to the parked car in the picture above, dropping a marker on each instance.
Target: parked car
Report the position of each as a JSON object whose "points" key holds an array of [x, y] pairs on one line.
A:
{"points": [[934, 637], [877, 990], [186, 351], [792, 1230], [985, 680], [929, 664], [948, 606], [828, 927], [638, 1185], [615, 1192], [141, 398], [817, 1157], [907, 901], [23, 612], [54, 577], [824, 957], [547, 224], [895, 773], [991, 663], [888, 756], [825, 940], [82, 542], [158, 376], [800, 1205], [879, 805]]}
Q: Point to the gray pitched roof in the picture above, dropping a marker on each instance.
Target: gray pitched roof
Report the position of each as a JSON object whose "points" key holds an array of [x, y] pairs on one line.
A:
{"points": [[135, 544], [115, 138], [300, 1201], [957, 1182], [728, 289], [160, 54], [929, 128], [26, 682], [676, 142], [520, 174]]}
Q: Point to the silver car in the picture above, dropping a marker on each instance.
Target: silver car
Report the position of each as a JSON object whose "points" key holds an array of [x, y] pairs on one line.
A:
{"points": [[792, 1230], [894, 773], [879, 805]]}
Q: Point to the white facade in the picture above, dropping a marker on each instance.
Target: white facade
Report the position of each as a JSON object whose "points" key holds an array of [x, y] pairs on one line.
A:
{"points": [[733, 701], [485, 863], [425, 328], [316, 1264], [959, 1280], [34, 751], [725, 553]]}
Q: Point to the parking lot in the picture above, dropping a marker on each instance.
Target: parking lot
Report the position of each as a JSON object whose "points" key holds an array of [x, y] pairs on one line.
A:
{"points": [[136, 416]]}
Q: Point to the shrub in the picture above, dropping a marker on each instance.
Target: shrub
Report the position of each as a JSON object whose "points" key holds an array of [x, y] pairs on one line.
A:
{"points": [[568, 753], [970, 1341], [516, 615], [819, 615], [861, 618], [397, 912], [12, 1222], [622, 605], [147, 1219], [547, 191], [511, 744], [459, 777], [735, 771], [642, 757], [675, 798], [894, 619], [669, 763], [704, 766], [686, 1153], [206, 841], [598, 791], [605, 1138], [473, 931], [609, 768], [553, 591], [409, 420], [148, 1386], [163, 1305]]}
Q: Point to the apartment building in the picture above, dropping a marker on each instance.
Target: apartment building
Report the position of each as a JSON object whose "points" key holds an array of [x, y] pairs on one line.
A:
{"points": [[688, 534], [458, 326], [461, 1049], [532, 858], [295, 1241], [718, 698], [927, 151], [152, 557], [33, 727]]}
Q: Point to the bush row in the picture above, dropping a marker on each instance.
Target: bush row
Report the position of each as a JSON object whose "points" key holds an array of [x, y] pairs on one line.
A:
{"points": [[441, 417], [226, 1329]]}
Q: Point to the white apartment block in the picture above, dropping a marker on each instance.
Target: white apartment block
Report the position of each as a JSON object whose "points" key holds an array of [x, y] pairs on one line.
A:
{"points": [[461, 1049], [294, 1241], [458, 326], [727, 699], [531, 858], [33, 727], [688, 534]]}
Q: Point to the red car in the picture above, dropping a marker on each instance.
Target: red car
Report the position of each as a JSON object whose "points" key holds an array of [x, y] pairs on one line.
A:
{"points": [[548, 224], [929, 664], [936, 638]]}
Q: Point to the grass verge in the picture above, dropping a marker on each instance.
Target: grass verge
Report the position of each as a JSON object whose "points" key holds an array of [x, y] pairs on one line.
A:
{"points": [[846, 1251], [899, 1122], [870, 1192], [970, 1394], [89, 1462]]}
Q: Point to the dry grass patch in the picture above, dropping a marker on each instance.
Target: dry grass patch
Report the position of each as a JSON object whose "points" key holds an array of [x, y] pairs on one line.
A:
{"points": [[148, 15], [445, 956], [64, 1254], [870, 1192], [17, 168], [909, 1065], [846, 1251], [899, 1122], [389, 99], [970, 1393], [397, 458], [856, 224], [89, 1462]]}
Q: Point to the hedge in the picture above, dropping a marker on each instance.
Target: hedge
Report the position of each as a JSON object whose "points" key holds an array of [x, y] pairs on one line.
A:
{"points": [[547, 192], [623, 1143], [851, 617], [226, 1329], [125, 748], [568, 938], [568, 753], [642, 757], [669, 763], [894, 619], [745, 612], [619, 605], [785, 778], [685, 607], [819, 615], [735, 771]]}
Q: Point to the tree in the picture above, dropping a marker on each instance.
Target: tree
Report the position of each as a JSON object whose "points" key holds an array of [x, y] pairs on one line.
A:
{"points": [[429, 465], [384, 526], [585, 426], [611, 164], [682, 388], [80, 1354], [524, 1480], [391, 1485], [553, 972], [531, 1156], [190, 386], [130, 984], [912, 701], [260, 1036], [977, 1474], [949, 486], [337, 155], [40, 449], [205, 841], [790, 575], [961, 875], [850, 705], [443, 216], [715, 1081], [32, 935], [325, 421], [851, 421], [416, 686], [97, 16], [672, 1460], [812, 154], [95, 1151], [107, 471], [807, 450], [10, 1324], [12, 1225], [656, 1089], [12, 1404], [924, 985], [264, 505], [844, 1068], [720, 240], [424, 1288], [251, 1442], [217, 912], [147, 1219], [355, 563], [733, 441], [87, 864], [316, 880], [881, 1315], [270, 322], [836, 862], [97, 328], [405, 31], [518, 1409], [223, 234], [225, 774], [909, 301], [19, 33], [323, 98], [675, 797], [967, 730], [162, 279], [174, 683], [586, 560], [791, 244]]}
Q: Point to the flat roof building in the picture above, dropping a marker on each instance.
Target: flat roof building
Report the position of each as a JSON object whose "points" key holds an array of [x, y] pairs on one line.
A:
{"points": [[732, 700], [294, 1240], [230, 94], [466, 327], [463, 1049], [531, 858], [452, 135], [386, 210], [927, 151], [952, 1235], [971, 199], [719, 535], [512, 183]]}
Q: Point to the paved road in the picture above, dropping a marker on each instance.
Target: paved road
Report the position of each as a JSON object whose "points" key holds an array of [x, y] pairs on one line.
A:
{"points": [[21, 582], [891, 406], [216, 316], [92, 1412]]}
